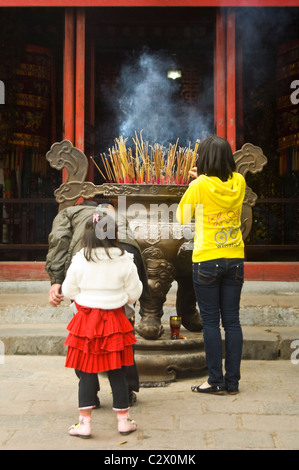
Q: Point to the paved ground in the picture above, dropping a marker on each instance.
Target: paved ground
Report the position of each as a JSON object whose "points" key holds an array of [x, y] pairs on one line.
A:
{"points": [[38, 395], [39, 402]]}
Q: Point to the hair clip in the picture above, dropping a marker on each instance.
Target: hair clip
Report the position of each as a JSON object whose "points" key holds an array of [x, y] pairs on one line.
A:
{"points": [[95, 217]]}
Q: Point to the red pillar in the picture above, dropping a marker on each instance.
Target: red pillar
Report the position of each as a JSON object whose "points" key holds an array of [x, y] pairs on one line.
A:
{"points": [[239, 95], [231, 80], [219, 76], [74, 78], [225, 77], [68, 78], [90, 95], [80, 79]]}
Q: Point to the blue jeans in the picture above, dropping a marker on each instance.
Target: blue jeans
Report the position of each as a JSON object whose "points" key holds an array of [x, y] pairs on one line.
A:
{"points": [[218, 284]]}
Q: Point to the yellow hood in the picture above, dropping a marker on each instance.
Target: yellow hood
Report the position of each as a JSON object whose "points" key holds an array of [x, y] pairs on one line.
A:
{"points": [[223, 194]]}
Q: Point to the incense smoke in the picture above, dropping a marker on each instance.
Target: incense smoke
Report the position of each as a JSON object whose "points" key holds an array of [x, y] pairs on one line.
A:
{"points": [[150, 101], [145, 99], [260, 32]]}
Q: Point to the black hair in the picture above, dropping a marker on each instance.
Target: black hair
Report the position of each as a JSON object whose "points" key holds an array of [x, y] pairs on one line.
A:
{"points": [[104, 202], [96, 202], [100, 231], [88, 203], [215, 158]]}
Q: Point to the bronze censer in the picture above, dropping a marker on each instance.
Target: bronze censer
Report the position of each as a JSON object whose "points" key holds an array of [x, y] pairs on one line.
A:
{"points": [[165, 246]]}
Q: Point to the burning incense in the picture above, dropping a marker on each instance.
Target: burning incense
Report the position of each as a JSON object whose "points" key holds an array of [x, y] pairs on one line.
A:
{"points": [[149, 164], [97, 167]]}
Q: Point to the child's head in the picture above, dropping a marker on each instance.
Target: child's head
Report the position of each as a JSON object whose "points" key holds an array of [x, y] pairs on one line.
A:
{"points": [[100, 231], [215, 158]]}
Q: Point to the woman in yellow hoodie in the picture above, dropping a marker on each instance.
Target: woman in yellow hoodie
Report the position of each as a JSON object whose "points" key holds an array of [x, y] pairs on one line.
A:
{"points": [[215, 199]]}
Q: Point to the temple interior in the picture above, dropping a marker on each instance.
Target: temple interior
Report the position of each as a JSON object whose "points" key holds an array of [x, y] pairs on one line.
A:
{"points": [[135, 49]]}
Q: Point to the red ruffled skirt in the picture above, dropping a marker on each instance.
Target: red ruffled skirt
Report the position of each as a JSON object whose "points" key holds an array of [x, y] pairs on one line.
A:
{"points": [[99, 340]]}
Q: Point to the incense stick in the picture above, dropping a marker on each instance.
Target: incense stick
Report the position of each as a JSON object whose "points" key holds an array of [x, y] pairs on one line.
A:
{"points": [[149, 164]]}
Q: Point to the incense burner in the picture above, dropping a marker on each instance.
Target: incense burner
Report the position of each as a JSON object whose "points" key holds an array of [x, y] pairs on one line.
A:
{"points": [[150, 209], [166, 248]]}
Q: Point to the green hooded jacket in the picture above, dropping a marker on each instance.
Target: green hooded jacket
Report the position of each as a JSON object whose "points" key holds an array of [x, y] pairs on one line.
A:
{"points": [[66, 235]]}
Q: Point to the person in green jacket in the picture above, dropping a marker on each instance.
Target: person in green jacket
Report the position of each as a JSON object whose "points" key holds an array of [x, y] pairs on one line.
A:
{"points": [[65, 240]]}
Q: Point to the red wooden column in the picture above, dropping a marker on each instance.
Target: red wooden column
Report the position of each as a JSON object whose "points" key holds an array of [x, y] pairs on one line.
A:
{"points": [[231, 80], [239, 95], [80, 79], [74, 78], [219, 76], [225, 76], [90, 94], [69, 78]]}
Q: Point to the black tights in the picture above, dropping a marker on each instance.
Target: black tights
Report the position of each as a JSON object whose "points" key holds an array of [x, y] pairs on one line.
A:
{"points": [[89, 386]]}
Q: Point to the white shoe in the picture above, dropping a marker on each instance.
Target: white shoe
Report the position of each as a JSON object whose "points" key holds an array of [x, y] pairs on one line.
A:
{"points": [[82, 429], [125, 424]]}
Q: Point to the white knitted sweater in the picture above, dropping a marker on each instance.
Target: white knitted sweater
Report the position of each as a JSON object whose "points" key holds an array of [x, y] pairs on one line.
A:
{"points": [[106, 283]]}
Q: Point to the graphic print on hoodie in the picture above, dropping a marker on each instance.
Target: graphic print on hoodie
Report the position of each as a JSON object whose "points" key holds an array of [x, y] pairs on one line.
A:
{"points": [[217, 208]]}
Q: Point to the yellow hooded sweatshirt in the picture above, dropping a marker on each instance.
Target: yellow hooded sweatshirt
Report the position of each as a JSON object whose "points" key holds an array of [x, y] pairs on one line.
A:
{"points": [[217, 208]]}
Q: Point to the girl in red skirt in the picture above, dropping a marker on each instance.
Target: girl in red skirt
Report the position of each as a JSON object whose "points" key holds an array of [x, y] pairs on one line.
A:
{"points": [[101, 279]]}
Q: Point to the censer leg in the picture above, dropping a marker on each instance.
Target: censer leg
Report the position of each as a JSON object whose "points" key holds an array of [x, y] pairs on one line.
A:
{"points": [[150, 326], [160, 277]]}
